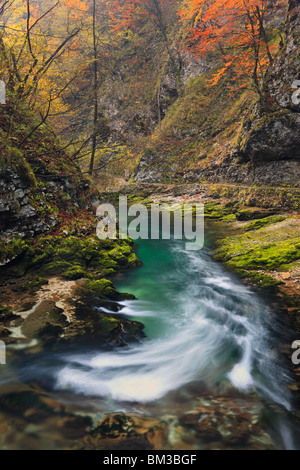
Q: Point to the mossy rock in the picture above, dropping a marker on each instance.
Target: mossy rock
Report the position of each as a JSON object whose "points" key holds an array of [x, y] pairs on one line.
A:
{"points": [[75, 273], [260, 279], [268, 257], [123, 255], [216, 211], [28, 284], [109, 272], [6, 314], [70, 257], [105, 289], [133, 260], [40, 259], [13, 249], [100, 286], [266, 248], [265, 222], [56, 268], [92, 325], [103, 262], [229, 218], [269, 244], [47, 321], [14, 157], [251, 214]]}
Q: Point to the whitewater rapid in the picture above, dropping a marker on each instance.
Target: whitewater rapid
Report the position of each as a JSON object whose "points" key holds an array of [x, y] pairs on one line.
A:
{"points": [[203, 325]]}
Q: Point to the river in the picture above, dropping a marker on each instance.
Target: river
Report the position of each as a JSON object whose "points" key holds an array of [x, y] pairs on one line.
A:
{"points": [[208, 335], [202, 324]]}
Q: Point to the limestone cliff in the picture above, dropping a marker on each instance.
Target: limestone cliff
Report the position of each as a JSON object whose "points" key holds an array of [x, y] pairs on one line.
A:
{"points": [[208, 135], [275, 135], [39, 183]]}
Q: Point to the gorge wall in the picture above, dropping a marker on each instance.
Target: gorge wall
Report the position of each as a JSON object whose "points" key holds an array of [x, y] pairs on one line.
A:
{"points": [[207, 135]]}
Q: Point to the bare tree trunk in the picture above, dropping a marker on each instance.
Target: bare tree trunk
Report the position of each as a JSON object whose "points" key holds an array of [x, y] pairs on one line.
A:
{"points": [[163, 30], [95, 121], [159, 106], [264, 35]]}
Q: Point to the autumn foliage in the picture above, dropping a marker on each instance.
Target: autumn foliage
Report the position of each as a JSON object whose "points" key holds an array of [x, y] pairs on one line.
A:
{"points": [[61, 57], [133, 14], [236, 30]]}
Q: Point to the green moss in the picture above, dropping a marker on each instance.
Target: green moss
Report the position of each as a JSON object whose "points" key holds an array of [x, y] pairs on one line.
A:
{"points": [[251, 214], [6, 314], [109, 272], [267, 248], [258, 224], [108, 324], [120, 254], [266, 257], [14, 158], [30, 284], [216, 211], [267, 245], [56, 268], [70, 257], [25, 173], [262, 280], [229, 218], [133, 260], [12, 249], [104, 288], [74, 273], [39, 255]]}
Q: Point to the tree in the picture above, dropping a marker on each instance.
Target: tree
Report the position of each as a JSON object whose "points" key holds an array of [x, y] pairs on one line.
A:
{"points": [[134, 14], [95, 121], [238, 30], [35, 40]]}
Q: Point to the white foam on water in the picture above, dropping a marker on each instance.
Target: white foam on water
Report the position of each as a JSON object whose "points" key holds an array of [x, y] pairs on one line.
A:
{"points": [[215, 329]]}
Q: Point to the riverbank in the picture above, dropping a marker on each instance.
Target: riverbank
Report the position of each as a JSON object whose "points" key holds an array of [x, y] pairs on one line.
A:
{"points": [[52, 317], [257, 236], [256, 222]]}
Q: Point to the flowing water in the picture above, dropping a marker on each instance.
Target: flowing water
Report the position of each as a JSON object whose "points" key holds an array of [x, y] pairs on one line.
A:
{"points": [[201, 324], [203, 327]]}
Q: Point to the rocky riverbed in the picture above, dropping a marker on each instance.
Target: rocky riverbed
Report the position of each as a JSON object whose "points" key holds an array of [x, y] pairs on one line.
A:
{"points": [[43, 314]]}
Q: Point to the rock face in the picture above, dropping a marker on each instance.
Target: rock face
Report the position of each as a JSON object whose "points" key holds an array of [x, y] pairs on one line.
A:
{"points": [[142, 117], [16, 211], [273, 172], [286, 69], [39, 181], [148, 171], [277, 141], [266, 149], [24, 209], [276, 137]]}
